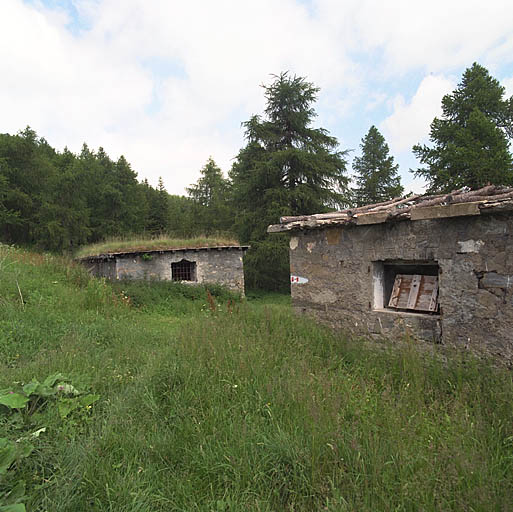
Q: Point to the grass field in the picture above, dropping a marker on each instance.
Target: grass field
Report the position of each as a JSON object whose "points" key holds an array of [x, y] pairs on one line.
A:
{"points": [[168, 400]]}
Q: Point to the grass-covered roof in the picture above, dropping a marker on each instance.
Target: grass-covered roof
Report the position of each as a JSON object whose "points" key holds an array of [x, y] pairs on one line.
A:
{"points": [[162, 243]]}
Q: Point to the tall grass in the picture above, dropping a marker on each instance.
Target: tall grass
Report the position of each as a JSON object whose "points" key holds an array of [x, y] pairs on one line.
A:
{"points": [[243, 406]]}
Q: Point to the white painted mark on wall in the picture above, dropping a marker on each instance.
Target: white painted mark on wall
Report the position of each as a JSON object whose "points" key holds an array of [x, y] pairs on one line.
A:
{"points": [[294, 241], [298, 279], [467, 246]]}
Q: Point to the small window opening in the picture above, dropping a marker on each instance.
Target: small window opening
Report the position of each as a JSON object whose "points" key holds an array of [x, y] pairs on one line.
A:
{"points": [[407, 286], [183, 271]]}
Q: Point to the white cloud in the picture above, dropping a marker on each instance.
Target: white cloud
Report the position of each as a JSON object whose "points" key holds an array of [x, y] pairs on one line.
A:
{"points": [[410, 120], [97, 87], [433, 36], [168, 83]]}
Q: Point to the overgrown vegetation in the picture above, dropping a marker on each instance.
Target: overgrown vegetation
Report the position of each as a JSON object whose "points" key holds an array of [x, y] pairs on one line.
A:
{"points": [[26, 412], [231, 405], [151, 244]]}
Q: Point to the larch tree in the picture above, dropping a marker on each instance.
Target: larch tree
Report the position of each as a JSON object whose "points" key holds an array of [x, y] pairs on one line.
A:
{"points": [[471, 140], [376, 175], [287, 167]]}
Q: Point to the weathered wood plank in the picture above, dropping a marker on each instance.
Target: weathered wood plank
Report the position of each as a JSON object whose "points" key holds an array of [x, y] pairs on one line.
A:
{"points": [[414, 292], [427, 289], [433, 303], [394, 296]]}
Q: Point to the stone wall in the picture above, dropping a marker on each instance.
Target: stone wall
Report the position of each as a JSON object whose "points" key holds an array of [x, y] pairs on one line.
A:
{"points": [[220, 266], [475, 265]]}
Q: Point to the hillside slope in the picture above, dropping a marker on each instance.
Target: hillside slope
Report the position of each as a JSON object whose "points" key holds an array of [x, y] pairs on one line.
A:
{"points": [[202, 402]]}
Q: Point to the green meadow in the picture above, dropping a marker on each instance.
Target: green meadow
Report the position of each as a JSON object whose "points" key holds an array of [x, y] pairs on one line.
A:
{"points": [[159, 397]]}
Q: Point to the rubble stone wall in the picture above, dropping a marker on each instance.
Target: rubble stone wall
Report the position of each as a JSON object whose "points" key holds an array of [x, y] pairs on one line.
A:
{"points": [[475, 261]]}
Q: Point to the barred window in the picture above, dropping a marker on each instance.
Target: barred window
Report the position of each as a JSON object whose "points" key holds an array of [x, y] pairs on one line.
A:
{"points": [[183, 271]]}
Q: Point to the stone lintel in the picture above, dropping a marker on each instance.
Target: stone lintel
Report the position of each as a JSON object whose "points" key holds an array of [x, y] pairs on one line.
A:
{"points": [[371, 218], [449, 210]]}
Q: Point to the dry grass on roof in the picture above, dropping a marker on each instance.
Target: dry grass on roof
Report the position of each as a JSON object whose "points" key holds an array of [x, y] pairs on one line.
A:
{"points": [[162, 242]]}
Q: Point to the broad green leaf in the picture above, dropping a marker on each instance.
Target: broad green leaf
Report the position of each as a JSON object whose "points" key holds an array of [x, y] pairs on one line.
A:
{"points": [[52, 379], [67, 405], [45, 391], [29, 388], [13, 400], [88, 399], [19, 507], [7, 454]]}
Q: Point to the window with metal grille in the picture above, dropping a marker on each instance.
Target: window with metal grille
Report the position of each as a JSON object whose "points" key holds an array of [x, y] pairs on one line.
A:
{"points": [[183, 271], [409, 286]]}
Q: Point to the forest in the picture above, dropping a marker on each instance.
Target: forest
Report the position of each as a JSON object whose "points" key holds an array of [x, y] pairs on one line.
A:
{"points": [[58, 201]]}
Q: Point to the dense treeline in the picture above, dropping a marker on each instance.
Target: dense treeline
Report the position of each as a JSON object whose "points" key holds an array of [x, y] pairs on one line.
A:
{"points": [[59, 201]]}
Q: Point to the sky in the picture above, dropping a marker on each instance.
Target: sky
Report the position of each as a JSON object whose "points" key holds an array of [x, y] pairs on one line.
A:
{"points": [[168, 83]]}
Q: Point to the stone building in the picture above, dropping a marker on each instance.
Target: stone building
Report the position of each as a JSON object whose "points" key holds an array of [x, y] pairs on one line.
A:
{"points": [[438, 267], [221, 265]]}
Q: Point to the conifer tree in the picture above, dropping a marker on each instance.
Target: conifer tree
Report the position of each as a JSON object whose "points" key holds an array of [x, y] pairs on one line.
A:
{"points": [[210, 198], [376, 174], [286, 168], [471, 140], [58, 201], [158, 208]]}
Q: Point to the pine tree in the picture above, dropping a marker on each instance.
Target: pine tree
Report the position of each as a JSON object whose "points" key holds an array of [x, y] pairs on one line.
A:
{"points": [[286, 168], [471, 140], [376, 175]]}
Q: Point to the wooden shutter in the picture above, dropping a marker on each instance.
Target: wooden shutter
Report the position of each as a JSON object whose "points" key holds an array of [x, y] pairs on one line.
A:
{"points": [[416, 292]]}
